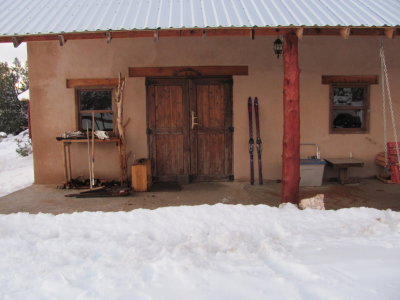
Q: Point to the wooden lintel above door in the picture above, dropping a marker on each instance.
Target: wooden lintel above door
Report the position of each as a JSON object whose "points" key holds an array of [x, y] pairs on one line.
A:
{"points": [[188, 71]]}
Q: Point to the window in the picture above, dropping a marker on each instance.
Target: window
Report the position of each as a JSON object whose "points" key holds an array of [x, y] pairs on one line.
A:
{"points": [[349, 108], [95, 104], [349, 102]]}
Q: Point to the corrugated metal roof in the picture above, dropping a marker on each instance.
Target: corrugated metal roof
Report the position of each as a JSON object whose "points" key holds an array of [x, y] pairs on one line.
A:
{"points": [[25, 17]]}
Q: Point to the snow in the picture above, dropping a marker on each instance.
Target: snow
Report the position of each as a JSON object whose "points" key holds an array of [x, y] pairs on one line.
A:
{"points": [[194, 252], [16, 172], [202, 252], [24, 96]]}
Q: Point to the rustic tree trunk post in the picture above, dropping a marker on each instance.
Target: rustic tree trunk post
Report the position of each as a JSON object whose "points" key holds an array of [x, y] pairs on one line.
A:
{"points": [[119, 96], [291, 121]]}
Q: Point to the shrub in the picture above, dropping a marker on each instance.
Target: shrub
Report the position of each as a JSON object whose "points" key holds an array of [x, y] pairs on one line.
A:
{"points": [[24, 148]]}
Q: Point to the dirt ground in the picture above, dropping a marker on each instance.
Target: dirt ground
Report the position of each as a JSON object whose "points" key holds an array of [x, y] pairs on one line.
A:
{"points": [[49, 199]]}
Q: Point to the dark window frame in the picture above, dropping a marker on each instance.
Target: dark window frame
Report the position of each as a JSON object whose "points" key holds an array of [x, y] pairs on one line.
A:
{"points": [[79, 112], [365, 108]]}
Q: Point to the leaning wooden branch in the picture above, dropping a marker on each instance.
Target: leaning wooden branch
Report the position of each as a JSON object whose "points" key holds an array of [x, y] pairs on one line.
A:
{"points": [[127, 122], [119, 97]]}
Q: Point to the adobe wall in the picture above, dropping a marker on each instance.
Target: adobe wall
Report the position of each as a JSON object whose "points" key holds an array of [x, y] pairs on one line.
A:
{"points": [[54, 107]]}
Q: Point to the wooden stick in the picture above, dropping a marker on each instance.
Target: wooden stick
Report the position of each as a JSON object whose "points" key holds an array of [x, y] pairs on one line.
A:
{"points": [[127, 122], [93, 148], [69, 161], [65, 163], [88, 150]]}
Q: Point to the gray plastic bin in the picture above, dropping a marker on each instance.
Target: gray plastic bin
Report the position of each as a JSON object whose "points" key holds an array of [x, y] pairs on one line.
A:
{"points": [[311, 172]]}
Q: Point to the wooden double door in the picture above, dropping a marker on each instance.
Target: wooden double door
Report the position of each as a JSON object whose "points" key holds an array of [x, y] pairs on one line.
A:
{"points": [[190, 128]]}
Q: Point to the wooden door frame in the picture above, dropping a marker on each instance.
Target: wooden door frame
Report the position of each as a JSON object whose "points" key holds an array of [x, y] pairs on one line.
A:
{"points": [[189, 99]]}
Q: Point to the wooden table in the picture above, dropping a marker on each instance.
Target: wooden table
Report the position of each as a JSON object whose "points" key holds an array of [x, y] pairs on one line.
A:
{"points": [[343, 164], [67, 152]]}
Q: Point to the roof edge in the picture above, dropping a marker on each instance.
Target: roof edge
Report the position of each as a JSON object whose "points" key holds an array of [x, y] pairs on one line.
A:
{"points": [[389, 31]]}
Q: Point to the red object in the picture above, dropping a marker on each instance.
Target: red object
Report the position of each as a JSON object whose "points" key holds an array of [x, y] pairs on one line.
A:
{"points": [[393, 150], [258, 141], [291, 121], [395, 174], [251, 139]]}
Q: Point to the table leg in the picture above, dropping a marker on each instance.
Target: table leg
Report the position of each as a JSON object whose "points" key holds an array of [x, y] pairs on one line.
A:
{"points": [[343, 177], [65, 163], [69, 162], [120, 163]]}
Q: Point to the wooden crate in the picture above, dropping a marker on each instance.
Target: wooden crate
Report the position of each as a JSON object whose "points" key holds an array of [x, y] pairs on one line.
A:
{"points": [[141, 175]]}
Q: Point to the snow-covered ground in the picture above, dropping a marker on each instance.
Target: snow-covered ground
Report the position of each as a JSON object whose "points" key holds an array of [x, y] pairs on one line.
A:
{"points": [[16, 172], [202, 252], [198, 252]]}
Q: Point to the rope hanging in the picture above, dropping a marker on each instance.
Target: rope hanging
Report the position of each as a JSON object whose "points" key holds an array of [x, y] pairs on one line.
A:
{"points": [[382, 55], [387, 97]]}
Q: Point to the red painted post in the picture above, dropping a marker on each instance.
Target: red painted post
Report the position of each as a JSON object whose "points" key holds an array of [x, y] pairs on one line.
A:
{"points": [[291, 121]]}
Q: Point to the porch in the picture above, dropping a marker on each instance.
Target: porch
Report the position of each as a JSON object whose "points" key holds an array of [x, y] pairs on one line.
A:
{"points": [[48, 199]]}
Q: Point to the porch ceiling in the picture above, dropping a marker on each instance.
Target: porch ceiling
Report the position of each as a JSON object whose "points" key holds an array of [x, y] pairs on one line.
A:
{"points": [[45, 20]]}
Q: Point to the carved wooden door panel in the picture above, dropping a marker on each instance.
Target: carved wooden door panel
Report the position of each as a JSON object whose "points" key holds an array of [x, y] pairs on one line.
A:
{"points": [[211, 137], [190, 128], [168, 128]]}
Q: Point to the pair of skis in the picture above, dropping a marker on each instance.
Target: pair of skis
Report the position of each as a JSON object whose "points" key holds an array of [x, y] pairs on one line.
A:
{"points": [[258, 142]]}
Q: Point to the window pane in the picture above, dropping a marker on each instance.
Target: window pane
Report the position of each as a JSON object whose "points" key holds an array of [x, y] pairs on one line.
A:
{"points": [[95, 100], [103, 121], [348, 96], [348, 118]]}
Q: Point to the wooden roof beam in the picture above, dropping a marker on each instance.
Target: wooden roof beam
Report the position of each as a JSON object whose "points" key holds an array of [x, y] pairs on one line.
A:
{"points": [[300, 32], [61, 40], [389, 32], [345, 32], [16, 41], [108, 37]]}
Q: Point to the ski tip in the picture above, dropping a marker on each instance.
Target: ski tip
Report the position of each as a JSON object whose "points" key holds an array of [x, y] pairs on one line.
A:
{"points": [[249, 100], [255, 100]]}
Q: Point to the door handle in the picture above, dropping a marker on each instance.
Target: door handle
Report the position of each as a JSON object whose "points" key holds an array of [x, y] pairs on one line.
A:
{"points": [[194, 119]]}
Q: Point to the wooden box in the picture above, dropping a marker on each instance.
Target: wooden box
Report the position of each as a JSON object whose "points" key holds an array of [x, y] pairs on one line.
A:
{"points": [[141, 175]]}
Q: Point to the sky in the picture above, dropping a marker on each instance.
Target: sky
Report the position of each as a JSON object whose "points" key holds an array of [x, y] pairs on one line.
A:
{"points": [[8, 53]]}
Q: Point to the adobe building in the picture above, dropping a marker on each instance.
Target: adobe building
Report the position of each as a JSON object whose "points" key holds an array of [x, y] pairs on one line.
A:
{"points": [[189, 70]]}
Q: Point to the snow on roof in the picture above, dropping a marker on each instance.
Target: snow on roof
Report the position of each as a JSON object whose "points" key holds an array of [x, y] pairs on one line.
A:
{"points": [[24, 96], [21, 17]]}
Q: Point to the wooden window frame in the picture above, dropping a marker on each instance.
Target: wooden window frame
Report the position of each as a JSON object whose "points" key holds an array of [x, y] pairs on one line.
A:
{"points": [[365, 108], [364, 81], [78, 105]]}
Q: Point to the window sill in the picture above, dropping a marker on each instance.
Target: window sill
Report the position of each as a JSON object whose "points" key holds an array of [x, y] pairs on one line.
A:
{"points": [[349, 132]]}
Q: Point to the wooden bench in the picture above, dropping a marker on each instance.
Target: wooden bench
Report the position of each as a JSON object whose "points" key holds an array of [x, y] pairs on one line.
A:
{"points": [[343, 164]]}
